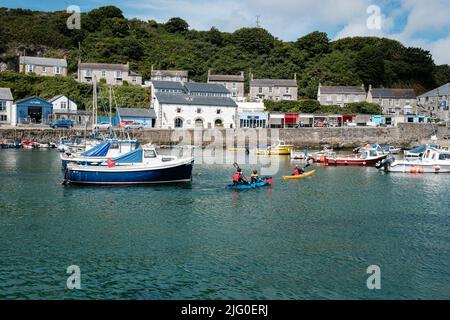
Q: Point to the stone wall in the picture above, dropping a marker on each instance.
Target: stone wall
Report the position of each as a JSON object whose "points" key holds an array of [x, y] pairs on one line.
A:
{"points": [[405, 135]]}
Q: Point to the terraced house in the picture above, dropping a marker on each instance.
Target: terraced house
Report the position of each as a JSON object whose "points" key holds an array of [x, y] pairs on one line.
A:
{"points": [[340, 95], [169, 75], [273, 89], [394, 101], [234, 83], [113, 74], [43, 66], [6, 101], [437, 102]]}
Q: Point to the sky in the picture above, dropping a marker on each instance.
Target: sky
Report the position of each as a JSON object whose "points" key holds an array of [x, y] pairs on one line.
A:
{"points": [[418, 23]]}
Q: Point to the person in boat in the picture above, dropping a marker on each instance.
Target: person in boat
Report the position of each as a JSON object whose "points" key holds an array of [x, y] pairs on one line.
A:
{"points": [[238, 178], [298, 171], [254, 177]]}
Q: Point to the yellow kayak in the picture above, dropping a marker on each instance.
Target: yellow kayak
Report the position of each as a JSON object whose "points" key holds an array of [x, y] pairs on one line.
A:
{"points": [[301, 176]]}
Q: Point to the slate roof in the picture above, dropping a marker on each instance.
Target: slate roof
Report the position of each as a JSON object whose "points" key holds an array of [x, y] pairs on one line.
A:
{"points": [[438, 92], [185, 99], [379, 93], [48, 62], [170, 85], [170, 73], [273, 83], [206, 87], [226, 78], [34, 97], [136, 112], [105, 66], [342, 90], [5, 94]]}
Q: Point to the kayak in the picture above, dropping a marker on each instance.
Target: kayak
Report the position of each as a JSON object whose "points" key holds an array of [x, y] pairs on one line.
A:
{"points": [[301, 176], [257, 185]]}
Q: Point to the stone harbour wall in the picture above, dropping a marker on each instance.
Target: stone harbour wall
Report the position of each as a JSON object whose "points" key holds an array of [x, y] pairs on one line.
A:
{"points": [[405, 135]]}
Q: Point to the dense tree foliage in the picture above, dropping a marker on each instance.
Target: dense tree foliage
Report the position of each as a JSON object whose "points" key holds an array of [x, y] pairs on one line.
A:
{"points": [[106, 36]]}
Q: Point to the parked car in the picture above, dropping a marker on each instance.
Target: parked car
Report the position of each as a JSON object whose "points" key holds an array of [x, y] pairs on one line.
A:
{"points": [[102, 125], [134, 125], [61, 124]]}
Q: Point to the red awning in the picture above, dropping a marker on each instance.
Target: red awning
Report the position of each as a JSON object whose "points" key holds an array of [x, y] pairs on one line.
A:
{"points": [[291, 118]]}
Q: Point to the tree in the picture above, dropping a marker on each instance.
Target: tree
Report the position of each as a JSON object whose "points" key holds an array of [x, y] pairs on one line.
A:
{"points": [[254, 40], [176, 25], [315, 44], [215, 36], [370, 65], [442, 74]]}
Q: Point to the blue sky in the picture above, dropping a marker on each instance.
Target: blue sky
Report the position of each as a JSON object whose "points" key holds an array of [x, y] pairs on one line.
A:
{"points": [[414, 22]]}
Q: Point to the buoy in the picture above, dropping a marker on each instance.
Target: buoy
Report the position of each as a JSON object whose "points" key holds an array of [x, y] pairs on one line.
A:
{"points": [[421, 170], [413, 170], [437, 169]]}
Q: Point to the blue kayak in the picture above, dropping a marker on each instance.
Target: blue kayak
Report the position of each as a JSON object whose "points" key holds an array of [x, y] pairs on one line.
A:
{"points": [[249, 186]]}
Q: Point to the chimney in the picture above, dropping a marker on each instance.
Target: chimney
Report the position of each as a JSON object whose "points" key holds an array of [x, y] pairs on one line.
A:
{"points": [[151, 68], [295, 76], [370, 87], [242, 73], [209, 72]]}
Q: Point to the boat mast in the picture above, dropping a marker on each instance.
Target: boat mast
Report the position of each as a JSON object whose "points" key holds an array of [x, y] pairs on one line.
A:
{"points": [[94, 105], [110, 111]]}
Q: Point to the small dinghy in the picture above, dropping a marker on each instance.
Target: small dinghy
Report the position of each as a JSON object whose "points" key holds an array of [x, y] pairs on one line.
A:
{"points": [[300, 176]]}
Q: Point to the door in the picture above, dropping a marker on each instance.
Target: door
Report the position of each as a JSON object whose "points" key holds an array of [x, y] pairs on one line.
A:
{"points": [[35, 114]]}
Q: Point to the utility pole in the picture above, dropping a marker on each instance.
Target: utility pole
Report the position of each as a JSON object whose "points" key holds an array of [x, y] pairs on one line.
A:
{"points": [[110, 111], [258, 24]]}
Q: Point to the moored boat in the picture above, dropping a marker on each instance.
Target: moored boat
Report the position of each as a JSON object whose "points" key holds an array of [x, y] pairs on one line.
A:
{"points": [[280, 149], [138, 167], [433, 160], [365, 157], [257, 185]]}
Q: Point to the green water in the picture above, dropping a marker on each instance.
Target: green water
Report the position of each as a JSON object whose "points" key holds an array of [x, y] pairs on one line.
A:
{"points": [[309, 239]]}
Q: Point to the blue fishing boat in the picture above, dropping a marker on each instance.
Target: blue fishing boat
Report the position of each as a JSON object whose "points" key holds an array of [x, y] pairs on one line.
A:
{"points": [[140, 166]]}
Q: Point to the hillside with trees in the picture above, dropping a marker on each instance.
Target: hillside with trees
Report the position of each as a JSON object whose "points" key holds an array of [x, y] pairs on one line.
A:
{"points": [[107, 36]]}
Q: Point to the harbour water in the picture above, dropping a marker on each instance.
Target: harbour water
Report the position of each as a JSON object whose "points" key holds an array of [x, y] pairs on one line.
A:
{"points": [[307, 239]]}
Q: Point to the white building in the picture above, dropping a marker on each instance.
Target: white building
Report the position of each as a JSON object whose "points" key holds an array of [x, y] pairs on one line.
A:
{"points": [[252, 115], [187, 111], [63, 104], [6, 102]]}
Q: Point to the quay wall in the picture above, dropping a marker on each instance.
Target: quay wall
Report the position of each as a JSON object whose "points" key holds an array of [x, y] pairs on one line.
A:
{"points": [[404, 135]]}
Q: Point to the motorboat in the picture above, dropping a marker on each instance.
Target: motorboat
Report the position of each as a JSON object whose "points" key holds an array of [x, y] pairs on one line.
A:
{"points": [[391, 149], [365, 157], [140, 166], [416, 153], [281, 149], [433, 160], [320, 156]]}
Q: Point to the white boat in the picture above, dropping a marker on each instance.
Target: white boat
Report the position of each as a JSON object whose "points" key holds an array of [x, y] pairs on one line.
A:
{"points": [[433, 160], [417, 152], [298, 155], [391, 149]]}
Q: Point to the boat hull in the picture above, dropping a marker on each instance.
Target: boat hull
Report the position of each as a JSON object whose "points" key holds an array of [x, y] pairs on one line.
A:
{"points": [[418, 168], [128, 175], [354, 161]]}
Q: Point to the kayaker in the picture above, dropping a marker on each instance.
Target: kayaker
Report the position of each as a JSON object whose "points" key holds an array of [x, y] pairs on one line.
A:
{"points": [[298, 171], [254, 177], [238, 177]]}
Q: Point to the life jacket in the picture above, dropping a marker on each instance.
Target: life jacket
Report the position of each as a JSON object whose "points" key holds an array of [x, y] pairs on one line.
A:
{"points": [[236, 177], [296, 172]]}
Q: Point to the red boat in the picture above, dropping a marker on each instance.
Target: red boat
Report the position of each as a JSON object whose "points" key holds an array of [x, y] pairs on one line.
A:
{"points": [[365, 157]]}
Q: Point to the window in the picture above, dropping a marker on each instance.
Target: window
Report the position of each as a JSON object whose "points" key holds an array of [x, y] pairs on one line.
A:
{"points": [[329, 98], [178, 123], [118, 74], [3, 117], [234, 85], [178, 110], [260, 90], [218, 123], [339, 98], [199, 110], [199, 123], [218, 111], [270, 89], [88, 73], [44, 69], [30, 67], [149, 154], [287, 90], [356, 98], [2, 105], [134, 79], [63, 105], [57, 70], [103, 73], [397, 102]]}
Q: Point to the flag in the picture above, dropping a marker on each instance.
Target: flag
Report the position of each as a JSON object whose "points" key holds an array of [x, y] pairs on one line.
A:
{"points": [[111, 164]]}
